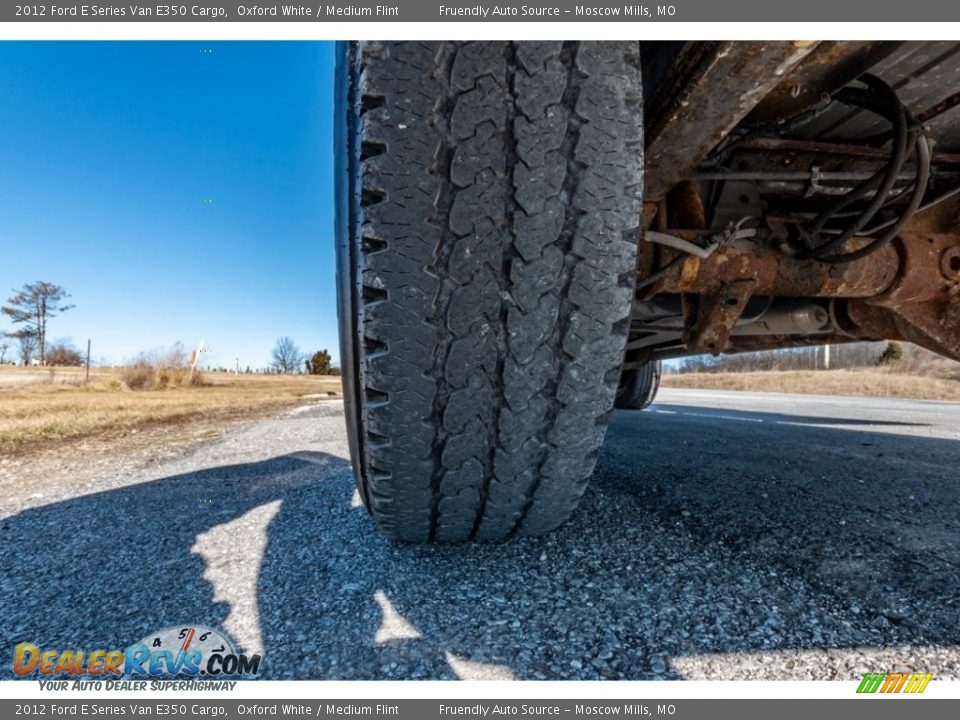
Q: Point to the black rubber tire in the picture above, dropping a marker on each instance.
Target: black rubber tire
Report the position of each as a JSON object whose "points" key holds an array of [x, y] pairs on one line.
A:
{"points": [[638, 388], [489, 205]]}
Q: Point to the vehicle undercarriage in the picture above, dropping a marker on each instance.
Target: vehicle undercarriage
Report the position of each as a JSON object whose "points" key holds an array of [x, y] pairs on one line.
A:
{"points": [[798, 194]]}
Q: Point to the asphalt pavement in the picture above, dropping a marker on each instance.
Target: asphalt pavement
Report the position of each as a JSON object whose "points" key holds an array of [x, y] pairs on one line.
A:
{"points": [[725, 535]]}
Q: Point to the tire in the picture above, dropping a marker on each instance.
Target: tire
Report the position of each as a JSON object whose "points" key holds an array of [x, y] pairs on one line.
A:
{"points": [[488, 218], [638, 388]]}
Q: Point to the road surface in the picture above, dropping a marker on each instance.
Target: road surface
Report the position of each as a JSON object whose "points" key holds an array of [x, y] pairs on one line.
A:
{"points": [[726, 535]]}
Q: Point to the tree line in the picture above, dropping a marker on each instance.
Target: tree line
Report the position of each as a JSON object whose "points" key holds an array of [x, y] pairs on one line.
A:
{"points": [[287, 358], [842, 356], [30, 309]]}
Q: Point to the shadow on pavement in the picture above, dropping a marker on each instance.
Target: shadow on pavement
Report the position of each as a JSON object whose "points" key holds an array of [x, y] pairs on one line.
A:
{"points": [[697, 536]]}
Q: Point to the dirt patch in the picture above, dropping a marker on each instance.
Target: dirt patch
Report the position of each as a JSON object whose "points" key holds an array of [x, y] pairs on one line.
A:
{"points": [[29, 469]]}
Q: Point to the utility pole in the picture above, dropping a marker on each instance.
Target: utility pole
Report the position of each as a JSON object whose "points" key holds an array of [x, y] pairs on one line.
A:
{"points": [[88, 361], [826, 357]]}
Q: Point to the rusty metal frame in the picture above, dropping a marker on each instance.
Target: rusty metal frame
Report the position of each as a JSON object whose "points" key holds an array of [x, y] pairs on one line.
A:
{"points": [[711, 88], [909, 290]]}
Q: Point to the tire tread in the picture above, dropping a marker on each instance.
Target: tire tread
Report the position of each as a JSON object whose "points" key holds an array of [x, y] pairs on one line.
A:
{"points": [[500, 205]]}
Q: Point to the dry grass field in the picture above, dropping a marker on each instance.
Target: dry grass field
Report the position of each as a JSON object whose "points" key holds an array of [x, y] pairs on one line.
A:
{"points": [[38, 405], [857, 383]]}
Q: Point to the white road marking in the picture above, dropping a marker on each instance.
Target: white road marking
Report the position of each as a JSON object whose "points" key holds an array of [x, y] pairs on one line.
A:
{"points": [[718, 416]]}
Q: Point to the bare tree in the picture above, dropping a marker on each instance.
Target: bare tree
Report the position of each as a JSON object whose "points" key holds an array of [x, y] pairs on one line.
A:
{"points": [[286, 356], [33, 305], [4, 346], [28, 345]]}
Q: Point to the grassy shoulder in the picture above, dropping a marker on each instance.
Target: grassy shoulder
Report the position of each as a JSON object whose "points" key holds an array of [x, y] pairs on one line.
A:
{"points": [[854, 383], [39, 406]]}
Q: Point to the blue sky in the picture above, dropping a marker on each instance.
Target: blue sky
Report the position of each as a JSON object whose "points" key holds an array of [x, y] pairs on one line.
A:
{"points": [[178, 191]]}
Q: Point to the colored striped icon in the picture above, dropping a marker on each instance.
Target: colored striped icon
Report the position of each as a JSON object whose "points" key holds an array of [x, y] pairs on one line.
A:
{"points": [[894, 682]]}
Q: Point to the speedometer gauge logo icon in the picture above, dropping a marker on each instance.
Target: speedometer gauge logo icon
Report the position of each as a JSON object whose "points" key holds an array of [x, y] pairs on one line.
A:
{"points": [[185, 639], [192, 650]]}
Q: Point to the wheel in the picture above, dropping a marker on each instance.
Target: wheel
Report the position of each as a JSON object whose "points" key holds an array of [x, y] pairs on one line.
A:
{"points": [[488, 217], [639, 387]]}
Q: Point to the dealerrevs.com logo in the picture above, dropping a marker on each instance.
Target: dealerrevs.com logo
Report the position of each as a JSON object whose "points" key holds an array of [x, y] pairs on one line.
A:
{"points": [[191, 651]]}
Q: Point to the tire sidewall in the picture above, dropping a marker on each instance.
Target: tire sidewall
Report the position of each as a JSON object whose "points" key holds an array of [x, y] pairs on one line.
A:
{"points": [[346, 189]]}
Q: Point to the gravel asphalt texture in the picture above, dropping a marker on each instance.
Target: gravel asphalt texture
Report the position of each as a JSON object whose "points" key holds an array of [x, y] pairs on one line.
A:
{"points": [[724, 536]]}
